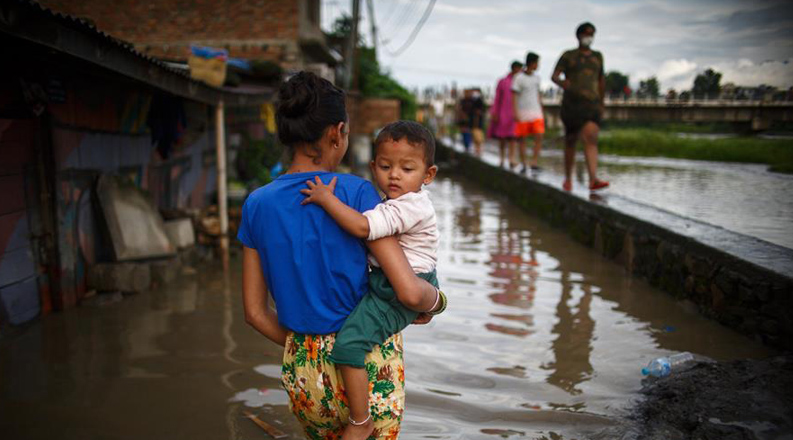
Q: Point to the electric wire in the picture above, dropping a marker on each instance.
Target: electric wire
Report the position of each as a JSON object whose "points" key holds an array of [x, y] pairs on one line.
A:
{"points": [[414, 33]]}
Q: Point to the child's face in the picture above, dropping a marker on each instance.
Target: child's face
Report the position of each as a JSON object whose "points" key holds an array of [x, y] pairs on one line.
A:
{"points": [[399, 168]]}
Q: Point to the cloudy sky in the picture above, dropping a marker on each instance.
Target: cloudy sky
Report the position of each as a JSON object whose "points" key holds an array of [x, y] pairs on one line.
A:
{"points": [[472, 42]]}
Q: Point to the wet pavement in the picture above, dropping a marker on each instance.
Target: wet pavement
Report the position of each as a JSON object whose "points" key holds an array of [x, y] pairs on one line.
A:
{"points": [[744, 198], [543, 339]]}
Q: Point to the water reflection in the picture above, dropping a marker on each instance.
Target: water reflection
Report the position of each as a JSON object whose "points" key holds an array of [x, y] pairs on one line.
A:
{"points": [[468, 218], [542, 339], [516, 277], [573, 344]]}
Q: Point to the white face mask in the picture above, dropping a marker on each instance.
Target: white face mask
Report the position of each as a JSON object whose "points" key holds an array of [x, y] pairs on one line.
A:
{"points": [[587, 41]]}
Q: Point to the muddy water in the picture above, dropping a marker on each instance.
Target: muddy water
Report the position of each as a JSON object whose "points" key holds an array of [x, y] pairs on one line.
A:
{"points": [[543, 339], [744, 198]]}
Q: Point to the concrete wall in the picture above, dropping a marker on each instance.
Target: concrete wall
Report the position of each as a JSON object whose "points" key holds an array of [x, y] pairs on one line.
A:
{"points": [[752, 299], [60, 136]]}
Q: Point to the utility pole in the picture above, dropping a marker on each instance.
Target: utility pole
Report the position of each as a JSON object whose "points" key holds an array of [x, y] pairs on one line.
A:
{"points": [[352, 45], [370, 7]]}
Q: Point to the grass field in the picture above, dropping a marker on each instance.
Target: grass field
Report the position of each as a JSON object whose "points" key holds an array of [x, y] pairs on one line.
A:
{"points": [[777, 153]]}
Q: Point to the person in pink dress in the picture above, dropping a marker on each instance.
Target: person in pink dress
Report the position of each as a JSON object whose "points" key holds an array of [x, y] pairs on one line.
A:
{"points": [[502, 117]]}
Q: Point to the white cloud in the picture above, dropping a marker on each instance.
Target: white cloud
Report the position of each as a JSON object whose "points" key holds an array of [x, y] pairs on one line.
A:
{"points": [[501, 41], [468, 10], [747, 73], [677, 74], [480, 11], [469, 41]]}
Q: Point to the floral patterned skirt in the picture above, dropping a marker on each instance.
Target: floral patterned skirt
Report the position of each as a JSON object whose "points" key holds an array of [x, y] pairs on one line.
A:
{"points": [[316, 388]]}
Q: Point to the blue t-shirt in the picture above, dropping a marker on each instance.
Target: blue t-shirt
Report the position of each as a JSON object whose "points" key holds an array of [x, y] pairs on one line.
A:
{"points": [[315, 271]]}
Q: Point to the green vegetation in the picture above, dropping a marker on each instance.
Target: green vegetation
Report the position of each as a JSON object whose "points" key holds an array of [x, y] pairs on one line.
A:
{"points": [[707, 83], [673, 127], [616, 82], [778, 153], [376, 83], [373, 80], [649, 88], [256, 158]]}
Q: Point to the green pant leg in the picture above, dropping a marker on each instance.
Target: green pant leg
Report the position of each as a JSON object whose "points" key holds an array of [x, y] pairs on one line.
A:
{"points": [[378, 316]]}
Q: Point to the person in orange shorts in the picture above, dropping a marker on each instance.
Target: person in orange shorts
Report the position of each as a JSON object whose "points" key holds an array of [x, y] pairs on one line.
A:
{"points": [[529, 119]]}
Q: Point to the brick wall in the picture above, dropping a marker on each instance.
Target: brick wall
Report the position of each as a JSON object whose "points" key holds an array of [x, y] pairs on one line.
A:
{"points": [[373, 113], [264, 29]]}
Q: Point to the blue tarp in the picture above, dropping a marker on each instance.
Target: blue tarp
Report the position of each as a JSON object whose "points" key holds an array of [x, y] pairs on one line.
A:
{"points": [[209, 52]]}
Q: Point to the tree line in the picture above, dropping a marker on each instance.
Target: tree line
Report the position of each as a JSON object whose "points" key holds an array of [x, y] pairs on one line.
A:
{"points": [[706, 85]]}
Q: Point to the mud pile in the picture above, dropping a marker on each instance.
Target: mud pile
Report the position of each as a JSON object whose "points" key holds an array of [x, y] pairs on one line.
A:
{"points": [[747, 399]]}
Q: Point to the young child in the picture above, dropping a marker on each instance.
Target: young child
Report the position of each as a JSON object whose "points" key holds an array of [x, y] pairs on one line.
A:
{"points": [[404, 161]]}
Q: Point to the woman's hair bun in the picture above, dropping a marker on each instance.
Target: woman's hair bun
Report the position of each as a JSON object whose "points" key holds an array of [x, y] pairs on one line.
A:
{"points": [[307, 104], [298, 96]]}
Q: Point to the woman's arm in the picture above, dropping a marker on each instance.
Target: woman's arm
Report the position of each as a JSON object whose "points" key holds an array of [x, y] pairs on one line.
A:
{"points": [[412, 291], [255, 299], [557, 79], [557, 73]]}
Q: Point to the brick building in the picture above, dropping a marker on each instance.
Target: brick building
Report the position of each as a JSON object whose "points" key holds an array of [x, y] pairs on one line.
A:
{"points": [[283, 31]]}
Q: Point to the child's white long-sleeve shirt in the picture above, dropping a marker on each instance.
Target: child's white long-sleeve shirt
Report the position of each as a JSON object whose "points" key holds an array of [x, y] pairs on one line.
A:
{"points": [[411, 217]]}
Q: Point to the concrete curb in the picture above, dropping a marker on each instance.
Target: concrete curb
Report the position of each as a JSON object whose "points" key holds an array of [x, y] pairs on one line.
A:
{"points": [[742, 282]]}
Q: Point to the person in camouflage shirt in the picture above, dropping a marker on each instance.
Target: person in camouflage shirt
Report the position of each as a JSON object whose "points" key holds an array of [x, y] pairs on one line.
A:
{"points": [[584, 87]]}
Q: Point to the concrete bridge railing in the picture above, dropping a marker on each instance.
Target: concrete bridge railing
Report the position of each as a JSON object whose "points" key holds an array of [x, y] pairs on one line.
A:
{"points": [[757, 115]]}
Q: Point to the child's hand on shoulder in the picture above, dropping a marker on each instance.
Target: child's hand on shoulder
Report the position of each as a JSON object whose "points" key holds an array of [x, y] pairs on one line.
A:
{"points": [[317, 192]]}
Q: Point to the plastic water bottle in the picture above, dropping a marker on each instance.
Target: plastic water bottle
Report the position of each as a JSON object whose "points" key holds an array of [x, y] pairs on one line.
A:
{"points": [[663, 366]]}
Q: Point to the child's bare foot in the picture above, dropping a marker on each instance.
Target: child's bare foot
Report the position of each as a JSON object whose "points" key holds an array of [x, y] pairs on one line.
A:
{"points": [[358, 432]]}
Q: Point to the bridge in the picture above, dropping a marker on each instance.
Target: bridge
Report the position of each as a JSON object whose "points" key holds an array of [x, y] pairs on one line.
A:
{"points": [[755, 114]]}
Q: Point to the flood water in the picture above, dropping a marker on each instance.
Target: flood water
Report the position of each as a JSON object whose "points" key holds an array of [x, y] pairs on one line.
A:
{"points": [[543, 339], [743, 198]]}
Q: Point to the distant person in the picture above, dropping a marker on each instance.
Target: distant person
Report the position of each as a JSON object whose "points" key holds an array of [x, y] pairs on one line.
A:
{"points": [[470, 120], [502, 116], [528, 110], [478, 121], [463, 110], [584, 87]]}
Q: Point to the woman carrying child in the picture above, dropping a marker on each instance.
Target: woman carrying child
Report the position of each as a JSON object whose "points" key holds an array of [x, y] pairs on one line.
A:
{"points": [[316, 272]]}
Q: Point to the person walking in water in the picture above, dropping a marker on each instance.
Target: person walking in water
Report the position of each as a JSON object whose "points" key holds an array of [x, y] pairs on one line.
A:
{"points": [[528, 110], [502, 117], [584, 87], [317, 273], [404, 164]]}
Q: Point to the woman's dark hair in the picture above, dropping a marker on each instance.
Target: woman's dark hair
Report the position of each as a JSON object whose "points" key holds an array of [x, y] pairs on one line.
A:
{"points": [[583, 27], [515, 64], [307, 105]]}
